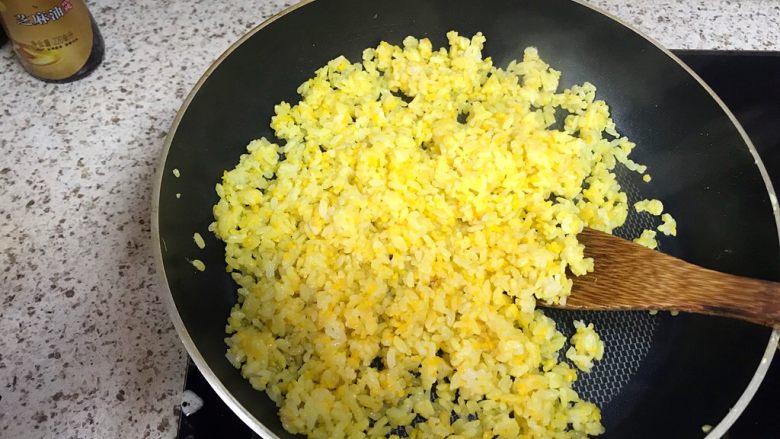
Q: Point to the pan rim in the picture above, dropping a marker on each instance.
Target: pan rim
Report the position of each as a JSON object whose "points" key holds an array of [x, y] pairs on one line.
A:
{"points": [[258, 427]]}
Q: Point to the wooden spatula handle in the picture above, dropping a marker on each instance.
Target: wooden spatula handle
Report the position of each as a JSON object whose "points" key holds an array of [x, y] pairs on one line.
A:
{"points": [[629, 276]]}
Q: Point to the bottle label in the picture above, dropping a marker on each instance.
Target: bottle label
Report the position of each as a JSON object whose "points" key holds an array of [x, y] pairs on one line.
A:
{"points": [[53, 39]]}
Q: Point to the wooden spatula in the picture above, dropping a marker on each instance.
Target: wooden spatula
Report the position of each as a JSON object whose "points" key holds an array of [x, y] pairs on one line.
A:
{"points": [[628, 276]]}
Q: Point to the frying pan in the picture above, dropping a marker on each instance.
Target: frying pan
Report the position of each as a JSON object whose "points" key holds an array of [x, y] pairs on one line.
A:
{"points": [[662, 376]]}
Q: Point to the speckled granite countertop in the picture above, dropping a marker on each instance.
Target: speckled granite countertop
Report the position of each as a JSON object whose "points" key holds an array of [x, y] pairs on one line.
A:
{"points": [[86, 347]]}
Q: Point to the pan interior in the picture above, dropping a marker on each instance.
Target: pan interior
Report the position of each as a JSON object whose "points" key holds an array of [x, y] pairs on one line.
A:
{"points": [[662, 376]]}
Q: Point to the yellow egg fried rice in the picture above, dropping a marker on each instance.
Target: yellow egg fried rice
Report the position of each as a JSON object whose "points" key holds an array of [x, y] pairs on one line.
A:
{"points": [[391, 249]]}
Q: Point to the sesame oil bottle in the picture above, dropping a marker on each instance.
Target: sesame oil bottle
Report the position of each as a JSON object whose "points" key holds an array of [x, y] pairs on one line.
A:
{"points": [[54, 40]]}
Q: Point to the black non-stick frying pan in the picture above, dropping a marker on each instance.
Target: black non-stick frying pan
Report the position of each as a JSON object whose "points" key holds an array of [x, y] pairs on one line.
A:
{"points": [[662, 376]]}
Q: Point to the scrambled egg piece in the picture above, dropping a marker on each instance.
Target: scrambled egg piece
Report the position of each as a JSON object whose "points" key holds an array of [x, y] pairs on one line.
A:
{"points": [[587, 346], [647, 239], [668, 226], [653, 207]]}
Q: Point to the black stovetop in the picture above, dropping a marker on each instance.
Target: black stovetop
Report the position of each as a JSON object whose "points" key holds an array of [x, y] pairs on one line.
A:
{"points": [[749, 84]]}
